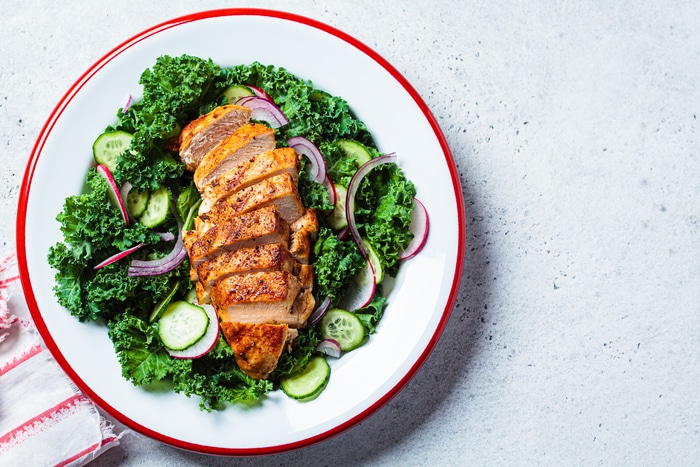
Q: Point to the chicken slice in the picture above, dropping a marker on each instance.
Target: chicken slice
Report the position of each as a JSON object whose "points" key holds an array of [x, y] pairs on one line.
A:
{"points": [[279, 191], [305, 302], [200, 136], [258, 258], [304, 232], [258, 297], [257, 227], [249, 172], [302, 307], [242, 144], [256, 347]]}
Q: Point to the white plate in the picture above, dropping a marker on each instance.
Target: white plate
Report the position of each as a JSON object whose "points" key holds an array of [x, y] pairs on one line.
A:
{"points": [[419, 303]]}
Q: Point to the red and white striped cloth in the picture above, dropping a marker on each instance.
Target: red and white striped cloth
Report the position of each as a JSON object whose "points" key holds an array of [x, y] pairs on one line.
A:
{"points": [[44, 418]]}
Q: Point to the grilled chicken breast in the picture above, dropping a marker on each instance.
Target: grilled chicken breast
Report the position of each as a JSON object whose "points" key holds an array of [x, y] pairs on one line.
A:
{"points": [[204, 133], [279, 191], [251, 243], [250, 229], [258, 297], [242, 144], [258, 258], [256, 347], [304, 232], [249, 172]]}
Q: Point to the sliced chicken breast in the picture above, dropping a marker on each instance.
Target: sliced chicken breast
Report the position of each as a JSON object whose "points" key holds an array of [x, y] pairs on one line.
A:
{"points": [[257, 227], [249, 172], [279, 191], [304, 232], [242, 144], [258, 258], [256, 347], [259, 297], [202, 134]]}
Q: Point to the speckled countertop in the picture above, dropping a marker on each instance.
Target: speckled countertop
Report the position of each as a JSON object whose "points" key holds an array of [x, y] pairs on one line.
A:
{"points": [[575, 339]]}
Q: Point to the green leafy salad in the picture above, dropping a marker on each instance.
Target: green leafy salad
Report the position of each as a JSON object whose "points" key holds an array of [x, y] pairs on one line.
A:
{"points": [[177, 90]]}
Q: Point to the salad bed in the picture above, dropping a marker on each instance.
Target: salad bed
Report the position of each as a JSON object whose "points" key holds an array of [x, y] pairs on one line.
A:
{"points": [[100, 243]]}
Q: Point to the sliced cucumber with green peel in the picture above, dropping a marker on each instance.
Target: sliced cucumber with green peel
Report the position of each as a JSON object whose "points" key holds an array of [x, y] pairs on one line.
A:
{"points": [[157, 209], [355, 150], [109, 145], [344, 327], [136, 202], [309, 382], [337, 219], [235, 92], [163, 303], [182, 324]]}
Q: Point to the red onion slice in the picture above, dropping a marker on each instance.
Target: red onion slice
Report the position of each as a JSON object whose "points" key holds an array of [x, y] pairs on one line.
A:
{"points": [[127, 105], [332, 193], [264, 110], [352, 191], [166, 236], [306, 148], [113, 192], [343, 233], [118, 256], [162, 265], [330, 347], [318, 313]]}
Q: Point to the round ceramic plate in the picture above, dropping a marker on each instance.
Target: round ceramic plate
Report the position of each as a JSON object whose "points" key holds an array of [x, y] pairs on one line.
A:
{"points": [[419, 302]]}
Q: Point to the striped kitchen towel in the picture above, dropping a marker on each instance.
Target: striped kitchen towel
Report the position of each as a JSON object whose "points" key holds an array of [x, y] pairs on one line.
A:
{"points": [[44, 418]]}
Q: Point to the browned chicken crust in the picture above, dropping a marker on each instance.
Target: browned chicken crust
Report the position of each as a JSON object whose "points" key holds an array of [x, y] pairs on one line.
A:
{"points": [[243, 143], [249, 172], [251, 243], [256, 347], [202, 134]]}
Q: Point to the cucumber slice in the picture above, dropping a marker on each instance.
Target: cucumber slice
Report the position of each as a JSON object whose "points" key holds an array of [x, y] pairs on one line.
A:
{"points": [[354, 150], [309, 382], [157, 209], [136, 202], [164, 302], [109, 145], [337, 218], [182, 325], [373, 258], [343, 326], [235, 92]]}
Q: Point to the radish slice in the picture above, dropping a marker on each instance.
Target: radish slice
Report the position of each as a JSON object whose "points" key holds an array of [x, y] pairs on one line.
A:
{"points": [[330, 347], [206, 343], [420, 224], [165, 264], [360, 290], [264, 110], [352, 191], [113, 191], [123, 193], [259, 92], [118, 256], [306, 148], [319, 312]]}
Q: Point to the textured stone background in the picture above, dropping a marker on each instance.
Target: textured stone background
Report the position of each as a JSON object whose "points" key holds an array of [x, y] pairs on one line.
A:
{"points": [[576, 336]]}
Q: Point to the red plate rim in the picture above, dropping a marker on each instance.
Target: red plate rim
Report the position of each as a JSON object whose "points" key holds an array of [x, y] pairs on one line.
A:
{"points": [[22, 247]]}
